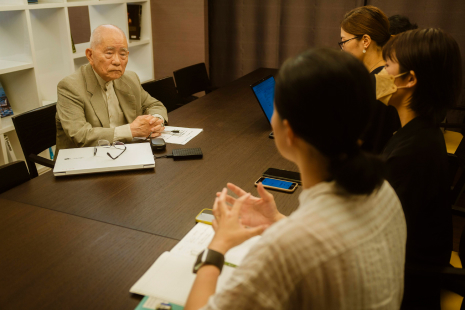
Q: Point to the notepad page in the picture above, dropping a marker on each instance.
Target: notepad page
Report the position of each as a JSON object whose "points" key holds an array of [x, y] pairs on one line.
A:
{"points": [[195, 241], [169, 278], [198, 239]]}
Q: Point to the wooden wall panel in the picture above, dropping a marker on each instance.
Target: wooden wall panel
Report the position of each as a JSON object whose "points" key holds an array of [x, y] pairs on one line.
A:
{"points": [[179, 30]]}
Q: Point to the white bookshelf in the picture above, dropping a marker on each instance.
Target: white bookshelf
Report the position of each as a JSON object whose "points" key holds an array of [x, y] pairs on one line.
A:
{"points": [[36, 51]]}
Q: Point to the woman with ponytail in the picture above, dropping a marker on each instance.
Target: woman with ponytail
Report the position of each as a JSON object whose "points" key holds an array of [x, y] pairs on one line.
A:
{"points": [[344, 246]]}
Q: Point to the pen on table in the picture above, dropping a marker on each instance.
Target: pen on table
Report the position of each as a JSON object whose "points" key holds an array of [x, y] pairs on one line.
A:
{"points": [[149, 135], [172, 131]]}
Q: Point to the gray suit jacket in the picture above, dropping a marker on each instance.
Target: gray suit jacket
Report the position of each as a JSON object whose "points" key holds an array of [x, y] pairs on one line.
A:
{"points": [[82, 115]]}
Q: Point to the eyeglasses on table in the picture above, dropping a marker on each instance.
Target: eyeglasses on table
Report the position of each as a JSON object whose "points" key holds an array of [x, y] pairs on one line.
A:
{"points": [[106, 144]]}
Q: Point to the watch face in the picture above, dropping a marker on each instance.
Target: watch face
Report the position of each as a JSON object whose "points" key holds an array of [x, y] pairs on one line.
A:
{"points": [[200, 260], [197, 266]]}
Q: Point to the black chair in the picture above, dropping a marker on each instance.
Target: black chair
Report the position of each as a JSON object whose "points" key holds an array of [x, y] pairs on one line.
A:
{"points": [[36, 132], [165, 91], [453, 138], [191, 80], [13, 174], [450, 278]]}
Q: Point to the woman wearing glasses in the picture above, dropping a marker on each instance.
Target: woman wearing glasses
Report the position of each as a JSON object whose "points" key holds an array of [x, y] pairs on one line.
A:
{"points": [[422, 79], [364, 32], [344, 247]]}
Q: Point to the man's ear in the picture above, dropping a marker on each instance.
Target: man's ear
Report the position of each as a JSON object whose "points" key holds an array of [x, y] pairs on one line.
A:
{"points": [[89, 54]]}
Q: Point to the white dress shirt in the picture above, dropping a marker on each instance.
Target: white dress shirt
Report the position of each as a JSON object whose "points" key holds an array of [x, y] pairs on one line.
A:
{"points": [[115, 114]]}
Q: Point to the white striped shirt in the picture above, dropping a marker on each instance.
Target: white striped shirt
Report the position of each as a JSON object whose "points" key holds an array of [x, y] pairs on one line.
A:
{"points": [[335, 251]]}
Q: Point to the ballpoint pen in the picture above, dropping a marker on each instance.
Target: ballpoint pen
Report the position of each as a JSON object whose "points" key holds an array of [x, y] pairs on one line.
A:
{"points": [[172, 131], [149, 135]]}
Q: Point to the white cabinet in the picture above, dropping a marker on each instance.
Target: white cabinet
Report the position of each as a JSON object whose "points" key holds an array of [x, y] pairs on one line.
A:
{"points": [[36, 51]]}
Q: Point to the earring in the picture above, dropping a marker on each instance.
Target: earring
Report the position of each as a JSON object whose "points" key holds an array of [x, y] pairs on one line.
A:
{"points": [[364, 51]]}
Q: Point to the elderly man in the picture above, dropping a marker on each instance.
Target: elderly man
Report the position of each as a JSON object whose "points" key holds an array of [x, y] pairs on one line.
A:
{"points": [[100, 101]]}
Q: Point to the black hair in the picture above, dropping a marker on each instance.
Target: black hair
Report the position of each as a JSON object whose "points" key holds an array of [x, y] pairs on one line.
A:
{"points": [[399, 24], [434, 56], [326, 95]]}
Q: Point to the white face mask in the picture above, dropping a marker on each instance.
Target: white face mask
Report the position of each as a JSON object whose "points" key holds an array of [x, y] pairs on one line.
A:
{"points": [[385, 86]]}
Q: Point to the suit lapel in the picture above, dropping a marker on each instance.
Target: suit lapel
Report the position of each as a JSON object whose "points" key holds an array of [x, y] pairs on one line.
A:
{"points": [[96, 99], [126, 99]]}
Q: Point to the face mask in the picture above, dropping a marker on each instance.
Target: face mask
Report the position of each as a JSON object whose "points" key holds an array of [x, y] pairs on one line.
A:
{"points": [[385, 86]]}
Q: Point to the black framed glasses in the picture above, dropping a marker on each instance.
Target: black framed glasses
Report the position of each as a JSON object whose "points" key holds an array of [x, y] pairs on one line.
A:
{"points": [[117, 145], [341, 44]]}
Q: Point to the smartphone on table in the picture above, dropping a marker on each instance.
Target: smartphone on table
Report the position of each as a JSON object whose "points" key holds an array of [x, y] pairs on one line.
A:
{"points": [[279, 185], [205, 216], [283, 175]]}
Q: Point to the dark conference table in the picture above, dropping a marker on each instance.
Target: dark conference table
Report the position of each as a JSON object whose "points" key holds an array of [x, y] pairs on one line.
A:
{"points": [[80, 242]]}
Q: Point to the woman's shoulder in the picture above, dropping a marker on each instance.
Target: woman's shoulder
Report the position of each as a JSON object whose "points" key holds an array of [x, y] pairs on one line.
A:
{"points": [[329, 225], [418, 137]]}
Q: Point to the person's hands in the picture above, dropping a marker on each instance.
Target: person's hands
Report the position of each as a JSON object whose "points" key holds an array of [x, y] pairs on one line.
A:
{"points": [[143, 125], [229, 231], [255, 211]]}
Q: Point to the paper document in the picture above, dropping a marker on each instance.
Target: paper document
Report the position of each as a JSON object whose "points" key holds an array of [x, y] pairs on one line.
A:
{"points": [[182, 137], [171, 277]]}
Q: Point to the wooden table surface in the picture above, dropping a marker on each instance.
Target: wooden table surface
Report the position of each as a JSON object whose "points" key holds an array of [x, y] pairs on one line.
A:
{"points": [[165, 202], [80, 242], [53, 260]]}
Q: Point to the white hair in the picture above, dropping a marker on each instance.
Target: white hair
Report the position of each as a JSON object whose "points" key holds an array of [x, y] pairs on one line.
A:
{"points": [[96, 37]]}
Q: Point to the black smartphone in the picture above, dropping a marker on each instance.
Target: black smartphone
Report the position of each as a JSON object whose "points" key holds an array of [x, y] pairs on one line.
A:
{"points": [[158, 144], [283, 175], [279, 185]]}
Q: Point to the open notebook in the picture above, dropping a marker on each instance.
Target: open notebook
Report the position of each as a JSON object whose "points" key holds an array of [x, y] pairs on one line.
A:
{"points": [[170, 278]]}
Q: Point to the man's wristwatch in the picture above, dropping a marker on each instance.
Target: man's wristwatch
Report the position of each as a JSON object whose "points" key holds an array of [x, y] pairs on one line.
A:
{"points": [[209, 257]]}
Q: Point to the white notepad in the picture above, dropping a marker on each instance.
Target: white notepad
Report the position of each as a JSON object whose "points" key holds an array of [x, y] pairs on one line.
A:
{"points": [[171, 278], [182, 137], [83, 160]]}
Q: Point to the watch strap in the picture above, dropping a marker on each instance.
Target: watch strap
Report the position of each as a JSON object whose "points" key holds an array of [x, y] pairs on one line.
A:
{"points": [[209, 257]]}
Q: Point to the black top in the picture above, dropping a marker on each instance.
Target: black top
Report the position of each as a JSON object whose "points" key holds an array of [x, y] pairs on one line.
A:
{"points": [[417, 164], [383, 123]]}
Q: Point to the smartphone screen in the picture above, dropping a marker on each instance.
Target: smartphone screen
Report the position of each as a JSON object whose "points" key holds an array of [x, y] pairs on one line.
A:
{"points": [[277, 183], [206, 216]]}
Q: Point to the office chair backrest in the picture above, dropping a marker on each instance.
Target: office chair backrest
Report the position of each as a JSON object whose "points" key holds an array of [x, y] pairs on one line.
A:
{"points": [[165, 91], [192, 79], [13, 174], [36, 132]]}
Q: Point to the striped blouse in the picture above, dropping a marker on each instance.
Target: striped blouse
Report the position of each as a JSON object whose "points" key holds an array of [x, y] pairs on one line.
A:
{"points": [[336, 251]]}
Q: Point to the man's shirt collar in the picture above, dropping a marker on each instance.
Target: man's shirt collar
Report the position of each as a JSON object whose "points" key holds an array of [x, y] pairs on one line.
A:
{"points": [[102, 82]]}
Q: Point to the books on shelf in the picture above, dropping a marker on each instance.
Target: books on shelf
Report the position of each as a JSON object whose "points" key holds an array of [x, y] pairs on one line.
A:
{"points": [[72, 44], [10, 152], [171, 277], [134, 19], [5, 107]]}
